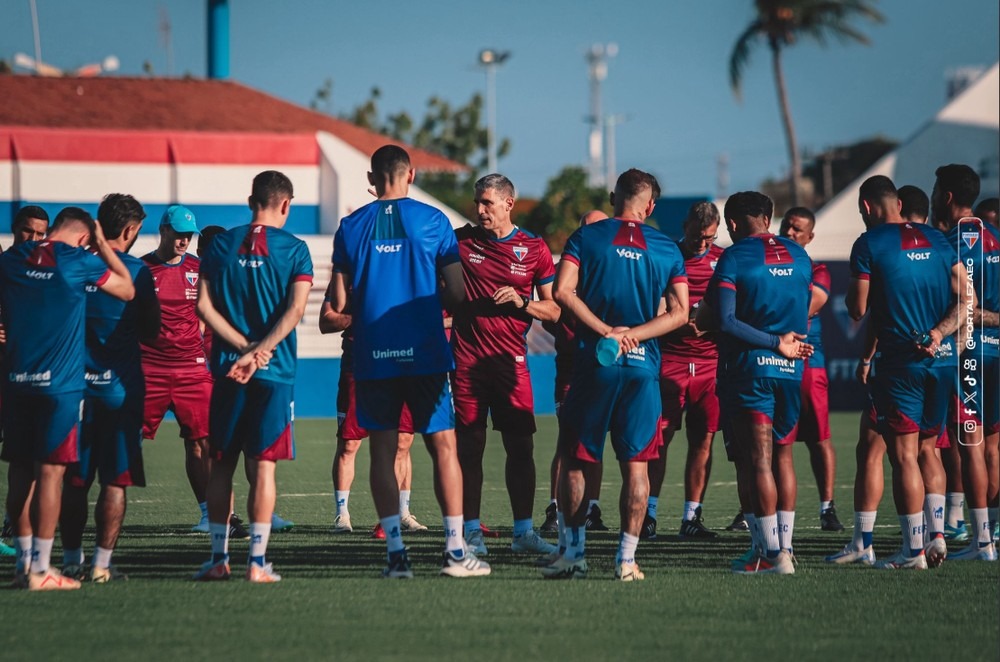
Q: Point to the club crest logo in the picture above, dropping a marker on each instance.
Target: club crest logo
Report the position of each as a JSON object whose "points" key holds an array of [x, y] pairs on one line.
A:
{"points": [[970, 238], [520, 252], [192, 278]]}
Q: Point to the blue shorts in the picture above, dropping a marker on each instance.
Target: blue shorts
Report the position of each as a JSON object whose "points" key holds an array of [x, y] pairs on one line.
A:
{"points": [[755, 401], [380, 402], [111, 441], [623, 400], [42, 428], [253, 418], [913, 398]]}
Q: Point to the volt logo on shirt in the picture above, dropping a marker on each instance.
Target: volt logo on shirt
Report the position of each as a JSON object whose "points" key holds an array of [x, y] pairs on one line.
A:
{"points": [[38, 275], [389, 248], [630, 255], [925, 255], [777, 271]]}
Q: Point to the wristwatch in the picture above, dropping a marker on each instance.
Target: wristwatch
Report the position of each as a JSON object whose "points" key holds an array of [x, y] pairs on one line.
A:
{"points": [[525, 300]]}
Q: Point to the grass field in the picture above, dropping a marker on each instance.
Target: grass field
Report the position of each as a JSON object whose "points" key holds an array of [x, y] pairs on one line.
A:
{"points": [[331, 604]]}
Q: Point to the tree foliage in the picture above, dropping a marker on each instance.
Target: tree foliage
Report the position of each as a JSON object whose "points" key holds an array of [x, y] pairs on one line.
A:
{"points": [[567, 197], [780, 24], [455, 132]]}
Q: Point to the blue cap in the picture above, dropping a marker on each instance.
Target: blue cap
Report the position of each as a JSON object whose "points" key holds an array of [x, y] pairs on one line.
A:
{"points": [[180, 219]]}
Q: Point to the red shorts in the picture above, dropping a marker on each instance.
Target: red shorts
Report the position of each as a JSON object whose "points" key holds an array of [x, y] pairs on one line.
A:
{"points": [[186, 393], [689, 386], [814, 419], [347, 411], [499, 386]]}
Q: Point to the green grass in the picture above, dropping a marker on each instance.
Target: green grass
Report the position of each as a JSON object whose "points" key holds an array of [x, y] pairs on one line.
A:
{"points": [[331, 604]]}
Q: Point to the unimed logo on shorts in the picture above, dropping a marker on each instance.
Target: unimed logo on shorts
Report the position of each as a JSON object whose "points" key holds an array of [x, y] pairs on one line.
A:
{"points": [[403, 354]]}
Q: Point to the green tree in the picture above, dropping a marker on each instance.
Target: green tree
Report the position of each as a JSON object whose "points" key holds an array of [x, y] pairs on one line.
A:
{"points": [[455, 132], [567, 197], [780, 23]]}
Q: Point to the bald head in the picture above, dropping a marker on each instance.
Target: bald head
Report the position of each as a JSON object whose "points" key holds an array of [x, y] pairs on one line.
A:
{"points": [[592, 216]]}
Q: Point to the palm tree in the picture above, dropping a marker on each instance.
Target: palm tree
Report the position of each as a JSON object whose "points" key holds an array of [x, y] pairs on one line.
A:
{"points": [[781, 22]]}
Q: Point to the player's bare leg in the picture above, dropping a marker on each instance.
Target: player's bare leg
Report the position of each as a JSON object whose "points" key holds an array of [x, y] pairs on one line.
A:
{"points": [[908, 489], [519, 473], [198, 465], [72, 522], [976, 481], [471, 447], [20, 491], [935, 482], [342, 473], [697, 469], [993, 477], [108, 517], [824, 467], [656, 470], [632, 509], [404, 476], [787, 493], [954, 515]]}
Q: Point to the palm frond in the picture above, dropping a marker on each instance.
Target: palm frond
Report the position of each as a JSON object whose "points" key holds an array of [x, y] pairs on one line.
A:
{"points": [[740, 55]]}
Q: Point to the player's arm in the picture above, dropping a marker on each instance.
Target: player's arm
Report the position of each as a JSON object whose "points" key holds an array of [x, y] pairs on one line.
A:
{"points": [[817, 300], [453, 290], [864, 366], [965, 299], [857, 298], [330, 320], [213, 318], [567, 278], [246, 365], [983, 318], [119, 282], [789, 344], [672, 315], [544, 309]]}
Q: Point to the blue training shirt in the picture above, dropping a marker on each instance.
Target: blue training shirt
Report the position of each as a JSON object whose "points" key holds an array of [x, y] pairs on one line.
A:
{"points": [[625, 269], [43, 300], [114, 358], [250, 272], [392, 252], [771, 277], [909, 268], [978, 246]]}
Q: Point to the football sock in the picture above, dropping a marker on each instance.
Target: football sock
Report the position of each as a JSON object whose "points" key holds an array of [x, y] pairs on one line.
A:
{"points": [[575, 539], [102, 557], [994, 516], [981, 526], [591, 504], [393, 535], [651, 506], [404, 503], [786, 526], [864, 527], [769, 532], [23, 546], [203, 507], [552, 502], [955, 511], [220, 540], [340, 498], [260, 533], [522, 526], [913, 533], [453, 541], [73, 556], [824, 506], [751, 521], [691, 510], [561, 522], [41, 553], [471, 526], [934, 514], [626, 548]]}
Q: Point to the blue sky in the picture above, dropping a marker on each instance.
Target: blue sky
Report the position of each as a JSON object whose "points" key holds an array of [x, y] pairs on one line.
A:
{"points": [[670, 77]]}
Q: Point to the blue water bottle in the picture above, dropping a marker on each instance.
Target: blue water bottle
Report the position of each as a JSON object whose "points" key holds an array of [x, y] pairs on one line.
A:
{"points": [[607, 351]]}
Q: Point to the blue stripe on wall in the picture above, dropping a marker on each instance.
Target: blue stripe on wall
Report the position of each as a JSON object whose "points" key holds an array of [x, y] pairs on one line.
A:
{"points": [[302, 219]]}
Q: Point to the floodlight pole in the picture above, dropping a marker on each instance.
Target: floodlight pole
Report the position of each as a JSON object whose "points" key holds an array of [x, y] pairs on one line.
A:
{"points": [[490, 59]]}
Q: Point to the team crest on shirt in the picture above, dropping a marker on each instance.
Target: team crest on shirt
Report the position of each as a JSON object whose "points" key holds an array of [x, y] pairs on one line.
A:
{"points": [[970, 238], [192, 278], [712, 264], [520, 252]]}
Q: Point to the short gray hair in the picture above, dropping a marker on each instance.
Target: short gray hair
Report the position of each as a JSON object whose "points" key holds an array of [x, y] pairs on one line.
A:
{"points": [[498, 183], [704, 214]]}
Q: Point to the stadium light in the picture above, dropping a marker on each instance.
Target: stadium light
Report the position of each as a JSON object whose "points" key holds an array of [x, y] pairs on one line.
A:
{"points": [[490, 59]]}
